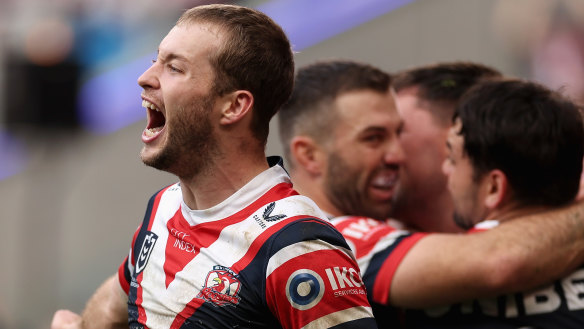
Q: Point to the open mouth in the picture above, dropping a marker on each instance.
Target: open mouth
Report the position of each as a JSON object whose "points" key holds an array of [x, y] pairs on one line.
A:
{"points": [[156, 120], [383, 184]]}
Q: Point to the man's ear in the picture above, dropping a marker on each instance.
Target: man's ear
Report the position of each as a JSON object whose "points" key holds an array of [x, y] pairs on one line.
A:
{"points": [[307, 154], [497, 188], [235, 106]]}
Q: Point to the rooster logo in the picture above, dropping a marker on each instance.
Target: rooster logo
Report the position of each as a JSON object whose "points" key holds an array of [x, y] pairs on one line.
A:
{"points": [[222, 287], [222, 284]]}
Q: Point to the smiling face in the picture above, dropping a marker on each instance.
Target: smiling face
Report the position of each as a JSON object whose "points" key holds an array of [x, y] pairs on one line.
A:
{"points": [[177, 94], [364, 155]]}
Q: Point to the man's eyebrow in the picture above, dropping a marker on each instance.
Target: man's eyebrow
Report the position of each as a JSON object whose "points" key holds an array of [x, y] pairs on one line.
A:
{"points": [[371, 129], [172, 56]]}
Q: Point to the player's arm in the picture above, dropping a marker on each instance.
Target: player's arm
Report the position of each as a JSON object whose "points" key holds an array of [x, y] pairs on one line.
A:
{"points": [[107, 308], [518, 255], [312, 280]]}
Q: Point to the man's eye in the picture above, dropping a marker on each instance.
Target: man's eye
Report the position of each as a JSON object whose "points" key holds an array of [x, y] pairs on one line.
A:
{"points": [[373, 138], [173, 68]]}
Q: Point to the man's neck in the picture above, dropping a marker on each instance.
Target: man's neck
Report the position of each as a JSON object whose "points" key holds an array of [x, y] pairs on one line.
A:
{"points": [[513, 210], [220, 180], [434, 215], [310, 187]]}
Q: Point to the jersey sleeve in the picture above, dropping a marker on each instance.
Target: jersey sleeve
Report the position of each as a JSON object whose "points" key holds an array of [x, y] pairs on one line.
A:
{"points": [[380, 249], [313, 280]]}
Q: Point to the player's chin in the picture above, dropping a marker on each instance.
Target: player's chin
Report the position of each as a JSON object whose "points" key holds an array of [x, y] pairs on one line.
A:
{"points": [[150, 155], [379, 212]]}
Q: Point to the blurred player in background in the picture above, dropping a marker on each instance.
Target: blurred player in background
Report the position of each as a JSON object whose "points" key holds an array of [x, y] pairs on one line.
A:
{"points": [[515, 149], [340, 132], [426, 97]]}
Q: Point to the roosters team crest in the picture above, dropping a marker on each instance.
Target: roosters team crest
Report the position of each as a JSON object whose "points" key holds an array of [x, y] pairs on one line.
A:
{"points": [[222, 287]]}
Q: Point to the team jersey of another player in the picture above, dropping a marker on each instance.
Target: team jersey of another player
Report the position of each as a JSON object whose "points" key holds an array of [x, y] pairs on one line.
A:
{"points": [[263, 258], [557, 305], [379, 248]]}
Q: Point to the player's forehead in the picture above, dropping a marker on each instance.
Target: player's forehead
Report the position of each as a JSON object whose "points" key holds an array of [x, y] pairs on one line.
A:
{"points": [[190, 41], [360, 109]]}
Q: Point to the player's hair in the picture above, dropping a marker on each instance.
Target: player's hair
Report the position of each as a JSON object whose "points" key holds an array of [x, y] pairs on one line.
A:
{"points": [[532, 134], [310, 110], [442, 85], [255, 55]]}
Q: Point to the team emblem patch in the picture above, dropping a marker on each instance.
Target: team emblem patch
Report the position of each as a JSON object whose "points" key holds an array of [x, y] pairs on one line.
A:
{"points": [[145, 251], [304, 289], [222, 287]]}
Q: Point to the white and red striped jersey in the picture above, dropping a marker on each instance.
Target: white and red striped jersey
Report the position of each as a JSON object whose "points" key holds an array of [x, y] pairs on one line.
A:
{"points": [[557, 305], [263, 258], [379, 248]]}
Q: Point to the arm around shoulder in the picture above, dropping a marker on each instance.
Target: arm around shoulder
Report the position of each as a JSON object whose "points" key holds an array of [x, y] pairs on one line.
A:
{"points": [[107, 308], [518, 255]]}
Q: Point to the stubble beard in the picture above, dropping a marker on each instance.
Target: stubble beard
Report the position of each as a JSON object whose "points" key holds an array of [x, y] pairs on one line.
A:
{"points": [[462, 221], [466, 220], [341, 188], [189, 144]]}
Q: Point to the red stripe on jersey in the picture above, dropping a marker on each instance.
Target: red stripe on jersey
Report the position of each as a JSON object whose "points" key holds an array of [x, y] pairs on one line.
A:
{"points": [[364, 233], [155, 206], [385, 276], [342, 287], [139, 298], [141, 311], [122, 278], [278, 192], [259, 242], [198, 236], [125, 264], [194, 304], [205, 234], [186, 313], [131, 259]]}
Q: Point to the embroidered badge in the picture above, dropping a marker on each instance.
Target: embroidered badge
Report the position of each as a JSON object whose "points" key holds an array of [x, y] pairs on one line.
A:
{"points": [[145, 251], [222, 287]]}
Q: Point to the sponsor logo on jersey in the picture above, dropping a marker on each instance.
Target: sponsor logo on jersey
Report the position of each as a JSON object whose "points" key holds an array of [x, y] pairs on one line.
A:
{"points": [[179, 241], [268, 217], [222, 287], [304, 289], [566, 294], [145, 251], [345, 281]]}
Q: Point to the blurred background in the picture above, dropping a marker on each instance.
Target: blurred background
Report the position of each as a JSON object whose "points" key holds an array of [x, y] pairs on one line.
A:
{"points": [[72, 186]]}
